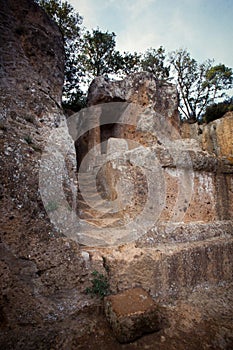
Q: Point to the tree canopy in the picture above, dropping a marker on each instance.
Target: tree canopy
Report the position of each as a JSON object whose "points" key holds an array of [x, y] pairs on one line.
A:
{"points": [[70, 24], [99, 55], [92, 53], [153, 61], [199, 85]]}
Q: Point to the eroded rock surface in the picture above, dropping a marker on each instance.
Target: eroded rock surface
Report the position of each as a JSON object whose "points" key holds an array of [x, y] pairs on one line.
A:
{"points": [[194, 184], [215, 137], [187, 266], [32, 62], [37, 263], [132, 313], [141, 88], [189, 191], [218, 136]]}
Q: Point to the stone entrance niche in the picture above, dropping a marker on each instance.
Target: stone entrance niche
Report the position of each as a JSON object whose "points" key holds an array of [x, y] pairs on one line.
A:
{"points": [[108, 127], [107, 131], [109, 121]]}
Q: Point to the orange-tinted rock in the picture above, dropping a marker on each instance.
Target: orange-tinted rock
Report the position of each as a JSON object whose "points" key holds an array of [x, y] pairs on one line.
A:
{"points": [[132, 313], [218, 136]]}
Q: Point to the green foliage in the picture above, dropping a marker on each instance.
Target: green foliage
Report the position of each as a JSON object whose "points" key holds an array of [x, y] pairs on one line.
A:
{"points": [[218, 79], [75, 102], [69, 23], [198, 84], [100, 57], [87, 54], [217, 110], [100, 285], [99, 54], [65, 16], [92, 53], [153, 61], [130, 63]]}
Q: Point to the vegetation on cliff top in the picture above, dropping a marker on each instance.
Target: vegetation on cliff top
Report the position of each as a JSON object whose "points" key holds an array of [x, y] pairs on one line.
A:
{"points": [[93, 53]]}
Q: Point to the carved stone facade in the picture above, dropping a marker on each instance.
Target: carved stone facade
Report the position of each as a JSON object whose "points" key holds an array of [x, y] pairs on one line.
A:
{"points": [[157, 215]]}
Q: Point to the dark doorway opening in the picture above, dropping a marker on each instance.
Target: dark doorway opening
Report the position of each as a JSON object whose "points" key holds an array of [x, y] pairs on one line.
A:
{"points": [[107, 131]]}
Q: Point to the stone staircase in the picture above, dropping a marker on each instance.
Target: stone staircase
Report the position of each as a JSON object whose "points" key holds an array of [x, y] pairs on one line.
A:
{"points": [[173, 259], [92, 208]]}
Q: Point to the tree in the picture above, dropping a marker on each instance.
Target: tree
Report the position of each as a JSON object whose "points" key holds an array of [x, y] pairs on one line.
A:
{"points": [[218, 79], [69, 22], [130, 63], [199, 85], [100, 57], [153, 61], [87, 54], [98, 53]]}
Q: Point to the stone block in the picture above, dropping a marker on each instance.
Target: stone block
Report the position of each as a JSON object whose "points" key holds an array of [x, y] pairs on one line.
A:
{"points": [[131, 314], [116, 145]]}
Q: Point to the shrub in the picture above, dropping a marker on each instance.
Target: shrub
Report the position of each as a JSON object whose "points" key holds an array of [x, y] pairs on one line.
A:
{"points": [[100, 285]]}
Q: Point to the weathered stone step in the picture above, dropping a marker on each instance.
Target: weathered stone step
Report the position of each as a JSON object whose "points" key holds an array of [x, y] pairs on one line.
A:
{"points": [[87, 212], [100, 206], [86, 177], [180, 232], [88, 189], [92, 196], [171, 271], [106, 222], [92, 202], [93, 237]]}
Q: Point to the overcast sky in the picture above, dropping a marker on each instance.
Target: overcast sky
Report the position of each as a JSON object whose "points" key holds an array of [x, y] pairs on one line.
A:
{"points": [[204, 27]]}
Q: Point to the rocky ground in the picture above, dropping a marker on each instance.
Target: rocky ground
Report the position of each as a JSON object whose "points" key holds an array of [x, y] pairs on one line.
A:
{"points": [[202, 321]]}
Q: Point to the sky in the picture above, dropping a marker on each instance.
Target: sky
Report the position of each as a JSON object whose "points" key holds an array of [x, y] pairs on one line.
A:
{"points": [[203, 27]]}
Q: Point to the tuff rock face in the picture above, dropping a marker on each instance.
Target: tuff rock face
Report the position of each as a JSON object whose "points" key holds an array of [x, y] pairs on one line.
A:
{"points": [[190, 241], [215, 137], [32, 62], [44, 274], [197, 184], [37, 263], [133, 100], [218, 137], [140, 88]]}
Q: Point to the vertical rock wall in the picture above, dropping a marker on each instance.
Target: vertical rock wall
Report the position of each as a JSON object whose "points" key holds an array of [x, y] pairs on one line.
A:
{"points": [[35, 260], [32, 61]]}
